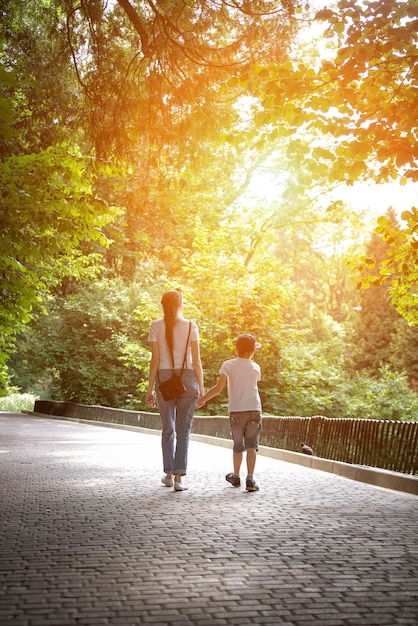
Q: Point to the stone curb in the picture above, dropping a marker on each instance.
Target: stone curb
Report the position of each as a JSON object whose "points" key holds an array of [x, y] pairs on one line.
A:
{"points": [[370, 475]]}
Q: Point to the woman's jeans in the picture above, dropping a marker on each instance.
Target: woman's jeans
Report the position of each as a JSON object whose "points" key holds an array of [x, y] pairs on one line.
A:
{"points": [[176, 417]]}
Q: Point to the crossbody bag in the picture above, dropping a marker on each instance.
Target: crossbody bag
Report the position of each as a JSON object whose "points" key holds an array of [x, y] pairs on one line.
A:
{"points": [[173, 387]]}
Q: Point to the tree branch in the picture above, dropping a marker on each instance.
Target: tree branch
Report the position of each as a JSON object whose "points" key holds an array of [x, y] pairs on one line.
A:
{"points": [[138, 25]]}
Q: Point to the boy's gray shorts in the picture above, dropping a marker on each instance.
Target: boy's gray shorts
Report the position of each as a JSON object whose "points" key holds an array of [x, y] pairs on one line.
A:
{"points": [[245, 429]]}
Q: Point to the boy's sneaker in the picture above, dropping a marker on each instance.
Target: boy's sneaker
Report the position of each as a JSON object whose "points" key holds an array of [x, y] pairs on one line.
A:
{"points": [[233, 479], [251, 485]]}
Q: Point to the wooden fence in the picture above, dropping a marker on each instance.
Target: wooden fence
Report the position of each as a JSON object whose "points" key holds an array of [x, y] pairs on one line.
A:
{"points": [[385, 444]]}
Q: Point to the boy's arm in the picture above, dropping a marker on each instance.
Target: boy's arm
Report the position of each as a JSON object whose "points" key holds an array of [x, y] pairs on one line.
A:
{"points": [[213, 391]]}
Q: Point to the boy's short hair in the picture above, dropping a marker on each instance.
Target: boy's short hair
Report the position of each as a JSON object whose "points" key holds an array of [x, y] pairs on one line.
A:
{"points": [[246, 343]]}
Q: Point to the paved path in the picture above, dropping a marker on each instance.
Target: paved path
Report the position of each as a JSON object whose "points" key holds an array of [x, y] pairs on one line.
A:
{"points": [[89, 536]]}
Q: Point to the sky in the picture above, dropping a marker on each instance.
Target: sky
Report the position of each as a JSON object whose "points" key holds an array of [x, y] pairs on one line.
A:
{"points": [[378, 198]]}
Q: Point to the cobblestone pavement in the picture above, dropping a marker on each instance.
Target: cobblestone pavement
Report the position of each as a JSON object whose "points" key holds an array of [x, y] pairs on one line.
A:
{"points": [[90, 536]]}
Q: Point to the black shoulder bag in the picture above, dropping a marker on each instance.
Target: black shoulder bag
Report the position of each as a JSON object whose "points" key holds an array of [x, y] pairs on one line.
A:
{"points": [[173, 387]]}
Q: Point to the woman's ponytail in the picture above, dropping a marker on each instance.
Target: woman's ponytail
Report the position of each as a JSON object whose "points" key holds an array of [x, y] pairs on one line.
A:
{"points": [[172, 302]]}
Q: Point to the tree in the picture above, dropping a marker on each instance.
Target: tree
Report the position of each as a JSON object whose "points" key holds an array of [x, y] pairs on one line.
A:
{"points": [[155, 107], [399, 271], [356, 109], [85, 357], [178, 105], [51, 230], [52, 217], [151, 71], [227, 297], [382, 335], [377, 320], [153, 75], [7, 112], [43, 93], [375, 73]]}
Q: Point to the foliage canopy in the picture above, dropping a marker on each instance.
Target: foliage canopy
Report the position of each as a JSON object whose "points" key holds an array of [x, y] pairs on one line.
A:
{"points": [[128, 163]]}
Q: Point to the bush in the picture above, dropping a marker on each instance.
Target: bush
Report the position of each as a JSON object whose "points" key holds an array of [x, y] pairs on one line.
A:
{"points": [[386, 396], [85, 358], [311, 380], [18, 402]]}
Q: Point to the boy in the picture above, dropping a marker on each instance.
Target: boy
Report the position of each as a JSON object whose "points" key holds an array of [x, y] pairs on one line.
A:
{"points": [[244, 406]]}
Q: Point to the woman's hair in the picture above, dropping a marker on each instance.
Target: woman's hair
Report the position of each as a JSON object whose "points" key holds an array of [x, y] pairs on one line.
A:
{"points": [[172, 302]]}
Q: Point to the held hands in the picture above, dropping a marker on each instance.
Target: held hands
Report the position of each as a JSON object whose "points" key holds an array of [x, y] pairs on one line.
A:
{"points": [[200, 402]]}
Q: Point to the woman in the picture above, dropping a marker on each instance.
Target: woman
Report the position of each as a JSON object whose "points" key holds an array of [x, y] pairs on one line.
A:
{"points": [[168, 337]]}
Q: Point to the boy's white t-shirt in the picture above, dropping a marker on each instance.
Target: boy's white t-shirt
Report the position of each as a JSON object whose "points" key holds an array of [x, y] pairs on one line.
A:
{"points": [[243, 376], [181, 330]]}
